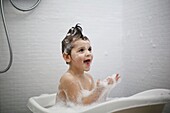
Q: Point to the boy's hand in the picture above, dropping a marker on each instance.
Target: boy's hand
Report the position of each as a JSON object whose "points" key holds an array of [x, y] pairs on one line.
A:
{"points": [[112, 79]]}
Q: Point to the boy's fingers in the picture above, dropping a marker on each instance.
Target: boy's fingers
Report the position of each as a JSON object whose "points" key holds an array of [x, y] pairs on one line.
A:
{"points": [[117, 77]]}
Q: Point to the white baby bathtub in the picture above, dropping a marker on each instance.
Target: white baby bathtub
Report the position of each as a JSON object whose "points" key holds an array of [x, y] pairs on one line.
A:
{"points": [[150, 101]]}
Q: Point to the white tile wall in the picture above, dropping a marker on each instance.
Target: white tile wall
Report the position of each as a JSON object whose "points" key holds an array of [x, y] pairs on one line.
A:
{"points": [[129, 37], [146, 45]]}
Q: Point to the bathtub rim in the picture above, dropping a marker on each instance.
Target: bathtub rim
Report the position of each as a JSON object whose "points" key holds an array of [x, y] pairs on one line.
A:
{"points": [[36, 107], [144, 98]]}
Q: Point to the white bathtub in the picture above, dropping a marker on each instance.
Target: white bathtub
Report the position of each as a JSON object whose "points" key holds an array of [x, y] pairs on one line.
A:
{"points": [[150, 101]]}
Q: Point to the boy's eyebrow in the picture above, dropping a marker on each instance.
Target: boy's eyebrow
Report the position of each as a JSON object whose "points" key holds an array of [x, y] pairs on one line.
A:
{"points": [[83, 47]]}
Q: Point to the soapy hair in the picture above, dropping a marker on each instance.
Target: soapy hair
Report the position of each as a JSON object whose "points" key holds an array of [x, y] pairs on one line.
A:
{"points": [[74, 34]]}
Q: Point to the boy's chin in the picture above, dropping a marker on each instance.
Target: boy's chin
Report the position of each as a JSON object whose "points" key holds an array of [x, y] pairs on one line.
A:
{"points": [[87, 69]]}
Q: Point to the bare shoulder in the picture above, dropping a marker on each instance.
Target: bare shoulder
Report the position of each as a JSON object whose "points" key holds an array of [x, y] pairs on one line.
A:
{"points": [[68, 82], [66, 77]]}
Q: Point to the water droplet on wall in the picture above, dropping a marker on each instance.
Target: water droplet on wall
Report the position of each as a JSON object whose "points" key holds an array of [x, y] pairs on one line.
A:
{"points": [[151, 41], [105, 53], [149, 18], [141, 35], [153, 46]]}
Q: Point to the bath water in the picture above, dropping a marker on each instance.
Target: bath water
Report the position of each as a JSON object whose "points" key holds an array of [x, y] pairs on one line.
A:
{"points": [[72, 108], [60, 108]]}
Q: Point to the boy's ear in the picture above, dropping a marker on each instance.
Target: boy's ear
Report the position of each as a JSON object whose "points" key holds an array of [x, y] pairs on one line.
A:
{"points": [[67, 57]]}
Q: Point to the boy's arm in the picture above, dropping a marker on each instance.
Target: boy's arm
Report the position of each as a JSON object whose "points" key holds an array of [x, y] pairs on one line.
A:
{"points": [[98, 90], [70, 88], [93, 97]]}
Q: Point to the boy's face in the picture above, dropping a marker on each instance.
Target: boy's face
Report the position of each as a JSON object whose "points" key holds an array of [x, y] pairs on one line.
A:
{"points": [[81, 55]]}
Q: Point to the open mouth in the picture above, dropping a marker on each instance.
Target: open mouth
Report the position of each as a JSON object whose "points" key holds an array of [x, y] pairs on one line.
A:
{"points": [[88, 61]]}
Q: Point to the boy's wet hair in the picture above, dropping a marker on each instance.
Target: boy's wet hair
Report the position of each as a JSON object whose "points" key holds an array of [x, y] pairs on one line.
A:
{"points": [[74, 34]]}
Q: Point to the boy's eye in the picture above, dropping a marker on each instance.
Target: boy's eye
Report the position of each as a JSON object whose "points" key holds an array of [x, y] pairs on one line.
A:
{"points": [[81, 50], [90, 49]]}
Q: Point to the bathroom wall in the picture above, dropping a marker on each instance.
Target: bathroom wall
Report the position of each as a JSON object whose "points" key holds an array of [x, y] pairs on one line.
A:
{"points": [[128, 37], [36, 36], [146, 45]]}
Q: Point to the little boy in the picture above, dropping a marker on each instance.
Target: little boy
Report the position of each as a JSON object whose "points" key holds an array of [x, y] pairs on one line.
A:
{"points": [[76, 85]]}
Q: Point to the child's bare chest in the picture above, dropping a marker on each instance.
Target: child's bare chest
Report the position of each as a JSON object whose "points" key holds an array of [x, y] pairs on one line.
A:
{"points": [[85, 84]]}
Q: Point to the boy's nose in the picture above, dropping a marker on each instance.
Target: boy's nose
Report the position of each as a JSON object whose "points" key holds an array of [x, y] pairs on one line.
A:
{"points": [[88, 53]]}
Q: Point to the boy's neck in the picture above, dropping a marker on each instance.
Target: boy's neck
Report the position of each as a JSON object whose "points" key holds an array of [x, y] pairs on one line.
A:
{"points": [[76, 72]]}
